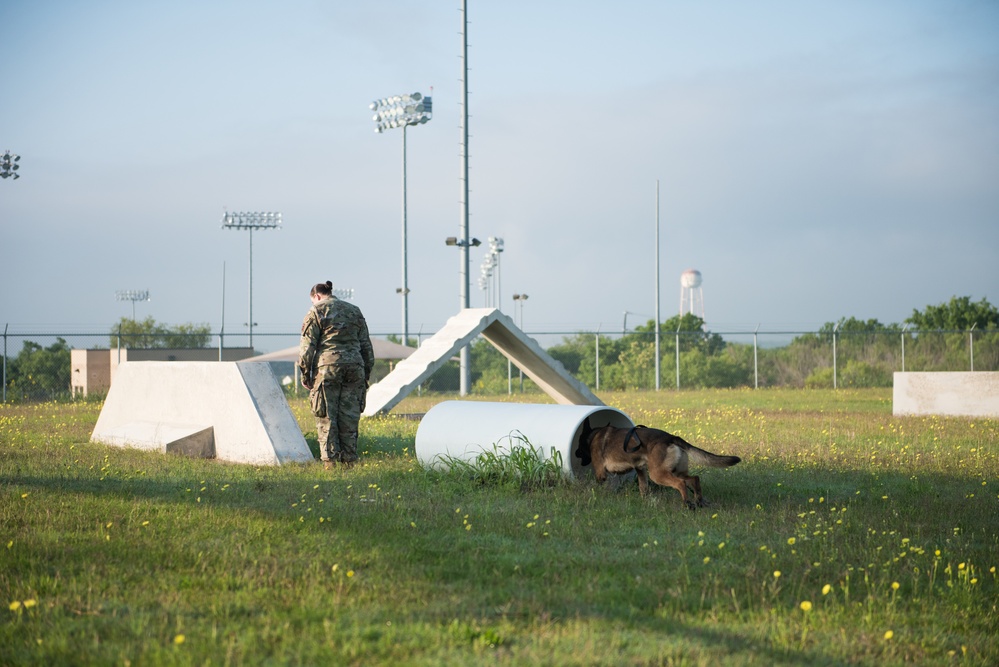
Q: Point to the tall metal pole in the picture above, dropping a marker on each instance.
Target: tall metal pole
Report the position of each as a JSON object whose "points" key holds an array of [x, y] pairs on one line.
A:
{"points": [[405, 267], [402, 111], [133, 296], [251, 288], [250, 221], [657, 284], [464, 363], [222, 324]]}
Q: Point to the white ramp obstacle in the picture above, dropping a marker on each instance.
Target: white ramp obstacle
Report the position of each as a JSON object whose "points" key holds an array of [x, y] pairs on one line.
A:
{"points": [[233, 412], [459, 331]]}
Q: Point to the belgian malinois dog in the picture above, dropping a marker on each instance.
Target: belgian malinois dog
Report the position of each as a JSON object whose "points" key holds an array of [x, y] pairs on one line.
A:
{"points": [[651, 453]]}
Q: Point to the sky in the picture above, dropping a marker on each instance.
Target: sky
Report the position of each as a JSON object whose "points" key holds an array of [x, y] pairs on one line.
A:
{"points": [[813, 161]]}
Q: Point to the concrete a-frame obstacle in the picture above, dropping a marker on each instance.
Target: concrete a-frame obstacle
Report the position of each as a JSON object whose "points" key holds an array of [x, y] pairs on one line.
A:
{"points": [[459, 331], [233, 412]]}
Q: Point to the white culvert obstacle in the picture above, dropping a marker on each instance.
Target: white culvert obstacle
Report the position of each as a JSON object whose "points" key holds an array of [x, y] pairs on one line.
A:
{"points": [[463, 430]]}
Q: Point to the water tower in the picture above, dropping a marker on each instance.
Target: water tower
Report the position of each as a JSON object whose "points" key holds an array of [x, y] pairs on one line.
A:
{"points": [[691, 294]]}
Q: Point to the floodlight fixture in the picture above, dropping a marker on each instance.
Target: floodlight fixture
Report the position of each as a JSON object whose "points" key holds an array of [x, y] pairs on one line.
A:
{"points": [[453, 240], [250, 221], [392, 112], [132, 295], [9, 165], [520, 299], [491, 266], [401, 111]]}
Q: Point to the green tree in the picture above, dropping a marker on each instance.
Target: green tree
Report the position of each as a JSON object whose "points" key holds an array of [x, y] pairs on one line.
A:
{"points": [[958, 314], [491, 373], [150, 334], [691, 333], [726, 369], [942, 344], [39, 372]]}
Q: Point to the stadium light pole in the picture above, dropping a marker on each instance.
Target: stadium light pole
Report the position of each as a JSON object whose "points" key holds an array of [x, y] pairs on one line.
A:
{"points": [[657, 287], [493, 289], [519, 299], [251, 221], [392, 112], [9, 165], [132, 295], [495, 251], [465, 377]]}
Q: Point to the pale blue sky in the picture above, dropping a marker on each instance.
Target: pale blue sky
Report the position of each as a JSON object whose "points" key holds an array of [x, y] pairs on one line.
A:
{"points": [[817, 160]]}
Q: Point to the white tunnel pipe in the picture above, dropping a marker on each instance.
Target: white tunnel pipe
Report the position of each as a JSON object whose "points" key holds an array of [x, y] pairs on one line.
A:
{"points": [[462, 430]]}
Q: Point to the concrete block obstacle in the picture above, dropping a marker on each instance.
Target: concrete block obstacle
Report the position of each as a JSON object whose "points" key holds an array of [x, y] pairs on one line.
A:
{"points": [[225, 410], [966, 394]]}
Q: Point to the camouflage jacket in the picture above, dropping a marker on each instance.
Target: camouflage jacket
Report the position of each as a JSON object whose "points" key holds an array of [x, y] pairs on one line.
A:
{"points": [[334, 332]]}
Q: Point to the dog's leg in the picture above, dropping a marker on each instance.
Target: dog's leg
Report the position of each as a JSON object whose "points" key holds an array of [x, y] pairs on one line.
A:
{"points": [[643, 481], [695, 486], [660, 476], [599, 470]]}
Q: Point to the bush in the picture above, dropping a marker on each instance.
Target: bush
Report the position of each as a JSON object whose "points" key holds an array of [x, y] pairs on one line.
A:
{"points": [[820, 378]]}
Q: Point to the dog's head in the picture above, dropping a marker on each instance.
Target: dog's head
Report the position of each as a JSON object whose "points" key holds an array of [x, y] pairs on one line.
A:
{"points": [[583, 448]]}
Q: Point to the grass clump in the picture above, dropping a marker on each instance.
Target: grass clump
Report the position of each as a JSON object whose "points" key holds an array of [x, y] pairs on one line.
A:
{"points": [[517, 464]]}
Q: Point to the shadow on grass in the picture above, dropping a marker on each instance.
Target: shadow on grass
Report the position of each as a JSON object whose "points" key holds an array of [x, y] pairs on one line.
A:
{"points": [[470, 572]]}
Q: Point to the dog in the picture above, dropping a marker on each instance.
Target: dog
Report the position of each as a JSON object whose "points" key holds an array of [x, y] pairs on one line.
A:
{"points": [[651, 453]]}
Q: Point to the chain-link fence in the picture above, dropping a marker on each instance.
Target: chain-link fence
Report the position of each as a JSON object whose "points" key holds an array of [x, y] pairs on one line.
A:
{"points": [[55, 365], [693, 359]]}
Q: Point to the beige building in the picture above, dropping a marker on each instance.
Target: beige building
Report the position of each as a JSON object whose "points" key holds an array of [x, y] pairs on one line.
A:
{"points": [[91, 371]]}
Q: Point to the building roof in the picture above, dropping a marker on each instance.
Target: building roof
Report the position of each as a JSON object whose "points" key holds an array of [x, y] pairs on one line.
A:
{"points": [[383, 350]]}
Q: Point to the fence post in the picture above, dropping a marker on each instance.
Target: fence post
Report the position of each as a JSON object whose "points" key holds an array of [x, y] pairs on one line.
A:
{"points": [[597, 365], [971, 345], [835, 329], [903, 346], [756, 367], [678, 356], [5, 361]]}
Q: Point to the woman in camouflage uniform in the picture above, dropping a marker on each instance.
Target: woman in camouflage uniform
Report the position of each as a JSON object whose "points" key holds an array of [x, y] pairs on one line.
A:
{"points": [[335, 358]]}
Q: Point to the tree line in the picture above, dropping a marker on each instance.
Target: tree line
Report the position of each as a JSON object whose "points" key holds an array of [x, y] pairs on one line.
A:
{"points": [[868, 353]]}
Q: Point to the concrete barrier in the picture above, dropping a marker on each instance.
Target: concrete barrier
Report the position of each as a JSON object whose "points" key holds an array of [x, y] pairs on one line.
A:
{"points": [[970, 394], [234, 412], [462, 430]]}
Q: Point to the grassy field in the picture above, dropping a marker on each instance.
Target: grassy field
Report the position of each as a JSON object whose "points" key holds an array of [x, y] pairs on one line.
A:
{"points": [[846, 536]]}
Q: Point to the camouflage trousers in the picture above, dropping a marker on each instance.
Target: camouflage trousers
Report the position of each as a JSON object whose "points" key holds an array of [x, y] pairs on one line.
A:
{"points": [[337, 399]]}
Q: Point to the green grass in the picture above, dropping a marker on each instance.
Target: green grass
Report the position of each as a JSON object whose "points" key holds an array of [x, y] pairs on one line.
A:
{"points": [[884, 532]]}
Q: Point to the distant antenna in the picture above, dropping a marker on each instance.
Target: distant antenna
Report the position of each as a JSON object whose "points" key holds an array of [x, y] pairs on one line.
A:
{"points": [[691, 293]]}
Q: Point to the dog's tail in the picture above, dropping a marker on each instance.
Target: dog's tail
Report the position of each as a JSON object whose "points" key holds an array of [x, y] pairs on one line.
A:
{"points": [[703, 457]]}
